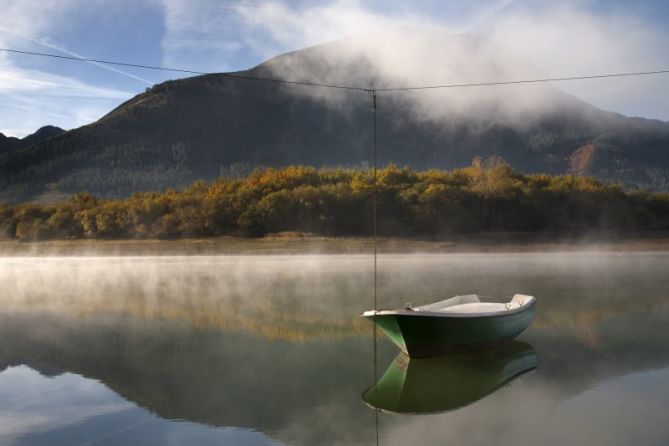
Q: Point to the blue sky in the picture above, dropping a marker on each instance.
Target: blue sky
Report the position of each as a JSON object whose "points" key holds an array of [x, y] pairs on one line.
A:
{"points": [[562, 38]]}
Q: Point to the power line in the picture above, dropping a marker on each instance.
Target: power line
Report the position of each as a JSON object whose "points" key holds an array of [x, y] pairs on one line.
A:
{"points": [[180, 70], [524, 81], [343, 87], [83, 59]]}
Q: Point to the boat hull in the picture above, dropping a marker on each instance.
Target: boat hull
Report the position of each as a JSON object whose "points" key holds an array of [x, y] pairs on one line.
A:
{"points": [[422, 335]]}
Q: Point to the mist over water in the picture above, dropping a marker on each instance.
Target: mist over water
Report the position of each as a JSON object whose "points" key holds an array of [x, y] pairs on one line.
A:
{"points": [[272, 349]]}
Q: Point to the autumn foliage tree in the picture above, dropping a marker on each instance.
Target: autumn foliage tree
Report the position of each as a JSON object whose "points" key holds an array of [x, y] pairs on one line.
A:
{"points": [[486, 196]]}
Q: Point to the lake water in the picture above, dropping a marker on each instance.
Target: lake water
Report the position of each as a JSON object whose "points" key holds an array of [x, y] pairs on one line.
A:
{"points": [[252, 350]]}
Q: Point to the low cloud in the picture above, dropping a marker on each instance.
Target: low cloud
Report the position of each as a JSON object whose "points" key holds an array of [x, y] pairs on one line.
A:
{"points": [[502, 42], [566, 40]]}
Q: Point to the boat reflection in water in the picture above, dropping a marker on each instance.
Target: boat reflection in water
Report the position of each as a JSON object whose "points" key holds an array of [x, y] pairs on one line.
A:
{"points": [[444, 383]]}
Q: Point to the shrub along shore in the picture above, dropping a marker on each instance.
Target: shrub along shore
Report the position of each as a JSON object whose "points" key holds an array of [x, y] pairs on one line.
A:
{"points": [[485, 197]]}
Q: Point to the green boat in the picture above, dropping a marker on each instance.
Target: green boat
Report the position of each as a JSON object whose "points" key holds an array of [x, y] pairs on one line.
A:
{"points": [[446, 383], [458, 324]]}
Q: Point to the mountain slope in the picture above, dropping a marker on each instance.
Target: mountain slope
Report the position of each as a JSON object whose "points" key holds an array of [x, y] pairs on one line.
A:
{"points": [[193, 128]]}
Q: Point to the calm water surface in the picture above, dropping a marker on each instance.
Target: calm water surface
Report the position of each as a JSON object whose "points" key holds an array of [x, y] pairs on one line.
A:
{"points": [[270, 350]]}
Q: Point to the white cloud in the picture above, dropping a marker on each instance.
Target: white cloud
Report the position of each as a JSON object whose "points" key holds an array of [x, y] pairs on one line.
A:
{"points": [[562, 39], [293, 28], [399, 51], [565, 40], [297, 28]]}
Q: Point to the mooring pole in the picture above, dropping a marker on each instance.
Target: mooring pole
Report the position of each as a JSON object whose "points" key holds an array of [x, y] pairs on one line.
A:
{"points": [[374, 231], [374, 198]]}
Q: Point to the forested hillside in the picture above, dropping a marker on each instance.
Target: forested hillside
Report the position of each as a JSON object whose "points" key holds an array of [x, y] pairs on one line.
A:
{"points": [[488, 196]]}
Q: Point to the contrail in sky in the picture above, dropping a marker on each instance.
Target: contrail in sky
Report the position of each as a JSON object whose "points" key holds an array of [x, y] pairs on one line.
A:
{"points": [[73, 54]]}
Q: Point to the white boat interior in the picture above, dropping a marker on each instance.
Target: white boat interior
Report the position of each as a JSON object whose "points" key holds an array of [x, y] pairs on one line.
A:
{"points": [[466, 305], [471, 303]]}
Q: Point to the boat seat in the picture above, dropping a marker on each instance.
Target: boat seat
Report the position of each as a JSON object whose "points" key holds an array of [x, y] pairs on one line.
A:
{"points": [[487, 307], [471, 304], [449, 303], [480, 307]]}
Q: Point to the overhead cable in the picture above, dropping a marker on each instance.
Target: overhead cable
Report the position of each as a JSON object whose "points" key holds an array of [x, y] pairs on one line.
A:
{"points": [[344, 87]]}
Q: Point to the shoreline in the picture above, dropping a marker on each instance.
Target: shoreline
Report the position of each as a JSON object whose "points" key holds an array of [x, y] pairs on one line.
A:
{"points": [[296, 244]]}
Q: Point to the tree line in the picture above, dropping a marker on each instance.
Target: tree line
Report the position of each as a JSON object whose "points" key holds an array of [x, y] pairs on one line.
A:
{"points": [[486, 196]]}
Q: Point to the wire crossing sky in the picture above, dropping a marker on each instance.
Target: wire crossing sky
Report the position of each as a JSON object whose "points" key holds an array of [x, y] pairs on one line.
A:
{"points": [[346, 87], [179, 70]]}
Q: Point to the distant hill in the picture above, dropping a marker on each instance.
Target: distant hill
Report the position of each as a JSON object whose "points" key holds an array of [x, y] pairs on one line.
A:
{"points": [[44, 133], [198, 127], [8, 143]]}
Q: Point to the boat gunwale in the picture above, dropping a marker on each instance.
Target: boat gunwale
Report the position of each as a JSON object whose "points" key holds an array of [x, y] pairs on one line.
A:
{"points": [[489, 314]]}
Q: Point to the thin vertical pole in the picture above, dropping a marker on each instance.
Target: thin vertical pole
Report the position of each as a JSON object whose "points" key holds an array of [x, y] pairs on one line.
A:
{"points": [[374, 200], [374, 229]]}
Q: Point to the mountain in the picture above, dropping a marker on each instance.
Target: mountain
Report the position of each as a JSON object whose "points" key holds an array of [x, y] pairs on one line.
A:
{"points": [[42, 134], [200, 127], [8, 143]]}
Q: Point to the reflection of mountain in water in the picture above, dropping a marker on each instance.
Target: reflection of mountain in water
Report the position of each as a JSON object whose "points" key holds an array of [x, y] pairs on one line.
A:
{"points": [[448, 382], [181, 372], [74, 410], [45, 370]]}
